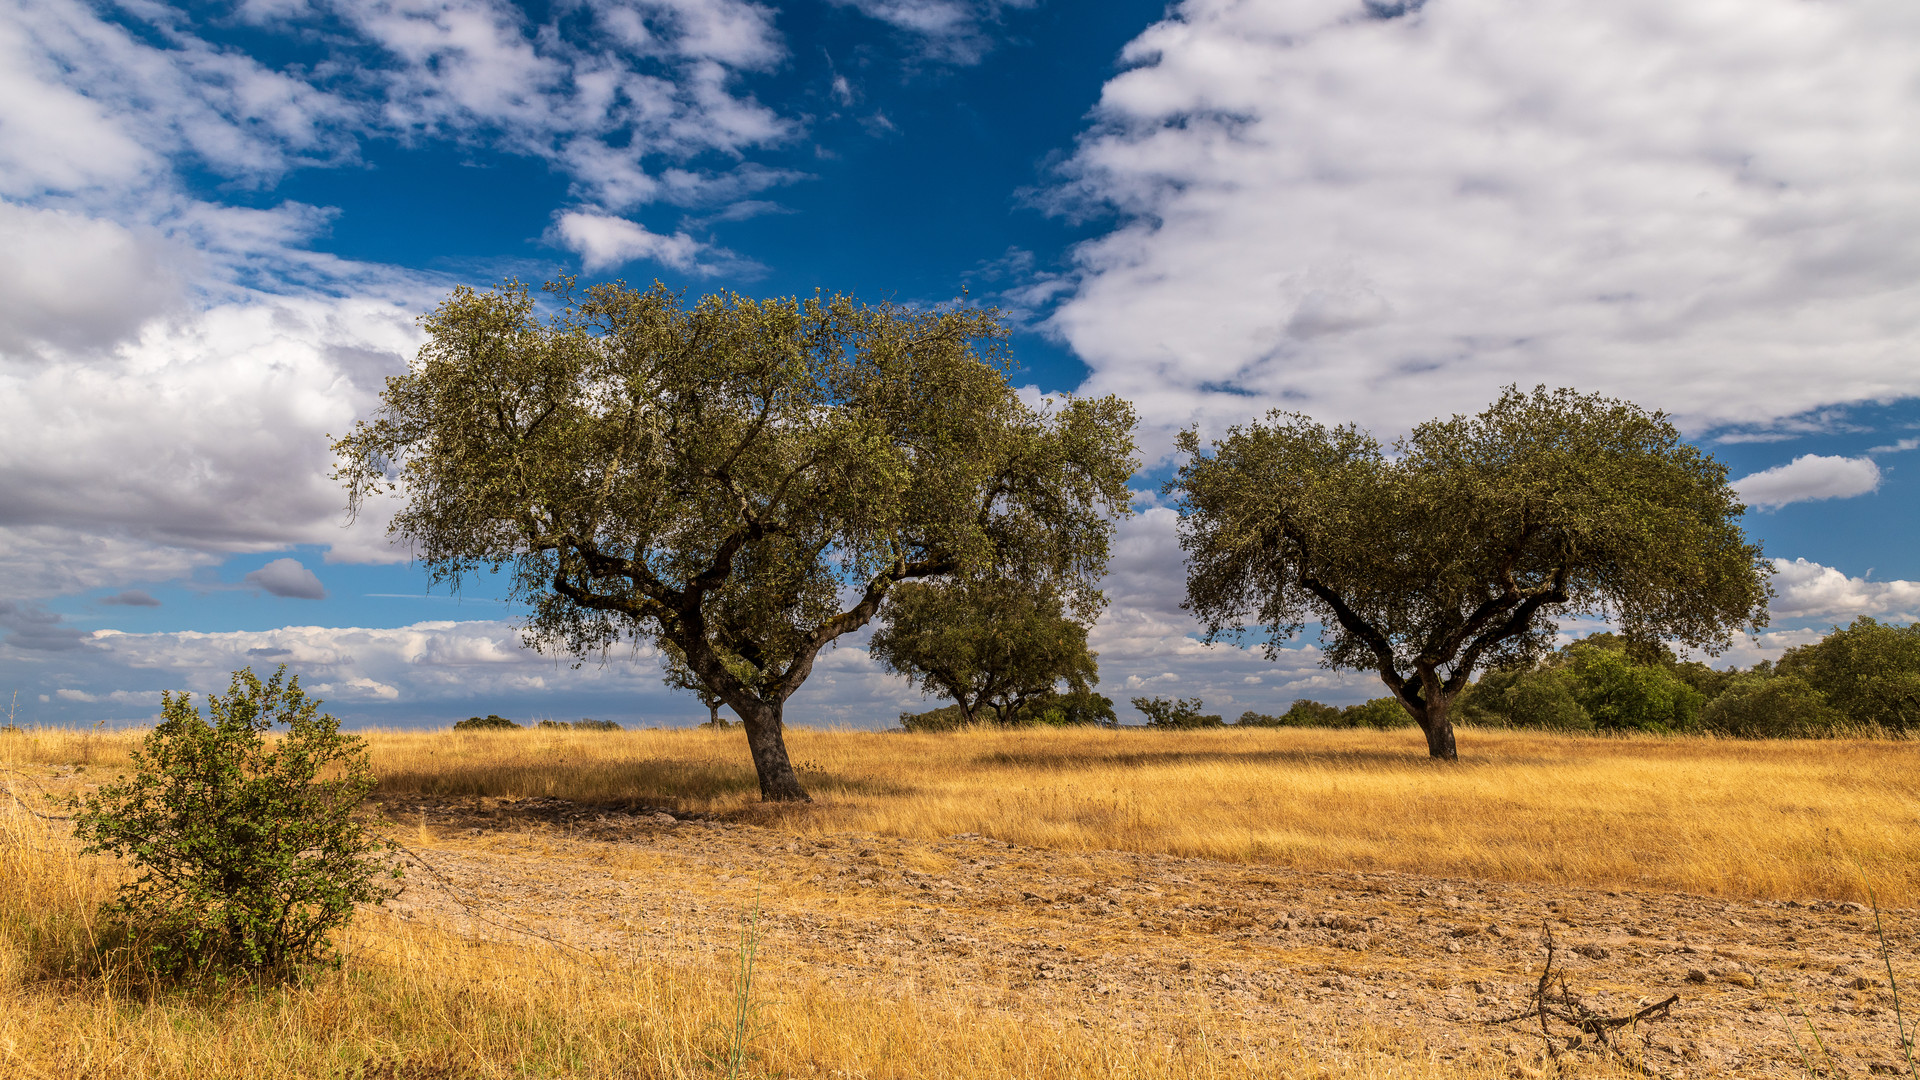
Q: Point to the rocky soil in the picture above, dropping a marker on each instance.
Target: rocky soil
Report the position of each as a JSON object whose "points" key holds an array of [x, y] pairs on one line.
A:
{"points": [[1160, 943]]}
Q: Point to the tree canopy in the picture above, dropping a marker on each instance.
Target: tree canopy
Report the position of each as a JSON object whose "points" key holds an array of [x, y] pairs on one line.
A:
{"points": [[994, 643], [1462, 547], [745, 480]]}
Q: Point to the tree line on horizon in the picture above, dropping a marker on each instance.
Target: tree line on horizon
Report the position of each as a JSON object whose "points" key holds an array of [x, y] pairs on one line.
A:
{"points": [[743, 482]]}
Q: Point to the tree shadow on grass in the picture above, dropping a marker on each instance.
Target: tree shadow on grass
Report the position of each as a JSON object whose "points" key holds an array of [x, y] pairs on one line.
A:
{"points": [[666, 782], [1349, 760]]}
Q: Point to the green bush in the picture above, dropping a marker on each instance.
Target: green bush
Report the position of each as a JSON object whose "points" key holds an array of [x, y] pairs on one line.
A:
{"points": [[249, 853], [1075, 708], [596, 725], [1870, 672], [1382, 713], [945, 718], [1304, 712], [1621, 695], [489, 722], [1176, 713], [1762, 705]]}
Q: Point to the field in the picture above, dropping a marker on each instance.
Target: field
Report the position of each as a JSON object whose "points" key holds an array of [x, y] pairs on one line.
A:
{"points": [[1037, 904]]}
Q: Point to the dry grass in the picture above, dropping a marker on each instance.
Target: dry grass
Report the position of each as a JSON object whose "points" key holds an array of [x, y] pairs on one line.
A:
{"points": [[415, 1001], [1783, 819]]}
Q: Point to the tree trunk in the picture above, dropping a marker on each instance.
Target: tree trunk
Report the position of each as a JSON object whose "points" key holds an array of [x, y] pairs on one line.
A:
{"points": [[768, 744], [1437, 722]]}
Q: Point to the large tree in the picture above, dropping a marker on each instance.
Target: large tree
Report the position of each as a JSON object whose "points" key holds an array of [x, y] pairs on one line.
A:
{"points": [[743, 480], [1462, 547], [998, 644]]}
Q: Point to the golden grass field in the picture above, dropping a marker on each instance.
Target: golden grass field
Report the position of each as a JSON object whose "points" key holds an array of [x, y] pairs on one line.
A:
{"points": [[1735, 819]]}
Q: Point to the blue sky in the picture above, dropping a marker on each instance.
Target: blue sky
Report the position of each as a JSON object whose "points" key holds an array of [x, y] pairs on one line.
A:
{"points": [[218, 222]]}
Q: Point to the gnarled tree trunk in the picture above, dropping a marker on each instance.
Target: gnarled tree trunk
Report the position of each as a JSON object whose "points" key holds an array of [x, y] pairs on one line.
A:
{"points": [[1435, 718], [766, 740]]}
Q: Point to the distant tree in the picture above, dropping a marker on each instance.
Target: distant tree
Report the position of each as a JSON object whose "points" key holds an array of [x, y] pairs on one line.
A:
{"points": [[1176, 713], [996, 644], [1304, 712], [1870, 672], [718, 477], [489, 722], [1459, 549], [1762, 705]]}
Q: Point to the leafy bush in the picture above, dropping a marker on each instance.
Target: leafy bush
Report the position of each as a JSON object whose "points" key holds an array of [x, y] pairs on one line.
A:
{"points": [[1621, 695], [489, 722], [596, 725], [1382, 713], [577, 725], [1075, 708], [945, 718], [1870, 672], [1304, 712], [1176, 713], [1763, 705], [249, 853]]}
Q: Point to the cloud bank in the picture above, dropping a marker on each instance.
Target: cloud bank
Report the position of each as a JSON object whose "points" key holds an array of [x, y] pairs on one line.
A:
{"points": [[1383, 214]]}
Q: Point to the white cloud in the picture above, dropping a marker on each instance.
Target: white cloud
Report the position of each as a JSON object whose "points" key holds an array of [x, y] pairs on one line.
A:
{"points": [[288, 578], [1809, 477], [1710, 208], [603, 242], [1809, 591], [950, 31]]}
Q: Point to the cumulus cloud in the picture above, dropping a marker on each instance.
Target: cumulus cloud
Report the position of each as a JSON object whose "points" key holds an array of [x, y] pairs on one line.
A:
{"points": [[1810, 591], [603, 242], [1809, 477], [288, 578], [1383, 219]]}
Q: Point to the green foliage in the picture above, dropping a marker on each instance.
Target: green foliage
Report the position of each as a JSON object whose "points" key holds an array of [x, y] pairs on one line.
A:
{"points": [[1304, 712], [994, 643], [718, 477], [1176, 713], [1381, 713], [945, 718], [1075, 708], [489, 722], [1869, 671], [1764, 705], [1461, 548], [249, 852], [1543, 697], [577, 725], [1620, 695]]}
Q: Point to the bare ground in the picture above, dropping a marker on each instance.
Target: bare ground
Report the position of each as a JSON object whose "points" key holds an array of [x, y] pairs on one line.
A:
{"points": [[1417, 964]]}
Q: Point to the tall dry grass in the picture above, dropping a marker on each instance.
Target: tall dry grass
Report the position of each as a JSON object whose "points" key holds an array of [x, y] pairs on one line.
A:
{"points": [[1781, 819], [413, 1001]]}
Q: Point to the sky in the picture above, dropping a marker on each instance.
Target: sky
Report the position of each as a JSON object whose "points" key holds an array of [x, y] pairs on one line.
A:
{"points": [[220, 222]]}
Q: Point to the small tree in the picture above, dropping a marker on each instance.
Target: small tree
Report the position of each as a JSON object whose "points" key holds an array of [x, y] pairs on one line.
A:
{"points": [[1461, 548], [744, 480], [1869, 671], [996, 644], [249, 852], [1176, 713]]}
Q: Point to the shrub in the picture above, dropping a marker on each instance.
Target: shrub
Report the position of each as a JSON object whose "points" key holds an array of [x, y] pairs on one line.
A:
{"points": [[1075, 708], [1176, 713], [1762, 705], [1382, 713], [249, 853], [1304, 712], [596, 725], [945, 718], [1870, 672], [489, 722]]}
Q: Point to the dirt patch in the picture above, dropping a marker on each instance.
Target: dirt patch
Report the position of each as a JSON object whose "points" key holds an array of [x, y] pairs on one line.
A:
{"points": [[1156, 942]]}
